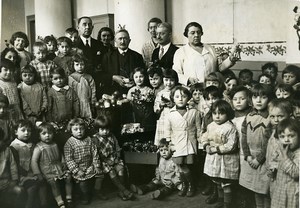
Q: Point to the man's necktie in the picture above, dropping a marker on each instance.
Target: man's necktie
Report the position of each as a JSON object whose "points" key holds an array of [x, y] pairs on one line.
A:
{"points": [[161, 53], [87, 43]]}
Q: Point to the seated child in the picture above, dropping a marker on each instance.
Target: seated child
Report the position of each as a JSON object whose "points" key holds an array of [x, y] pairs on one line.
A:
{"points": [[48, 163], [155, 74], [82, 158], [10, 192], [109, 152], [22, 148], [167, 175]]}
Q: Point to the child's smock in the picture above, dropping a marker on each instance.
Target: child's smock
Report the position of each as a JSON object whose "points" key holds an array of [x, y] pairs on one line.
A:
{"points": [[183, 131], [224, 163]]}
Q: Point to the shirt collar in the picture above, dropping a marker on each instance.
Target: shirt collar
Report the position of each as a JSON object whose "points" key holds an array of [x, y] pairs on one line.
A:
{"points": [[122, 51], [58, 89], [84, 40], [264, 113], [165, 47]]}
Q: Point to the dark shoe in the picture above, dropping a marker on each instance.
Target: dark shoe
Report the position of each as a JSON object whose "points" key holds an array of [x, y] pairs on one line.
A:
{"points": [[183, 190], [127, 194], [220, 203], [190, 191], [122, 196], [70, 204], [208, 190], [156, 194], [213, 198]]}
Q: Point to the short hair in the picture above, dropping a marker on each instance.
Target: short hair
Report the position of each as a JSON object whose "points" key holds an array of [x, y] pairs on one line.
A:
{"points": [[64, 39], [52, 39], [124, 31], [183, 90], [192, 24], [84, 17], [103, 121], [227, 73], [240, 88], [246, 71], [155, 70], [40, 45], [76, 121], [58, 70], [23, 123], [107, 29], [166, 25], [268, 76], [291, 124], [154, 19], [19, 35], [77, 57], [8, 64], [4, 99], [228, 79], [12, 50], [212, 90], [214, 76], [293, 69], [223, 107], [281, 103], [170, 73], [285, 87], [262, 89], [163, 143], [45, 126], [29, 69], [270, 65], [71, 30], [197, 87]]}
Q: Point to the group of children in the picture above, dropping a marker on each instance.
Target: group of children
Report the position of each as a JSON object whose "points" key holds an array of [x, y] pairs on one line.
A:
{"points": [[226, 131]]}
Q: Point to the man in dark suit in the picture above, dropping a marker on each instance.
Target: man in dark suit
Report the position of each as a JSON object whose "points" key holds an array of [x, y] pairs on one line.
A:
{"points": [[163, 55], [91, 50], [120, 62]]}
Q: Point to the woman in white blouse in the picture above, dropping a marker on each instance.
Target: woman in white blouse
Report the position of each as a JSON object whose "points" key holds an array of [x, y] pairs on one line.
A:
{"points": [[195, 60]]}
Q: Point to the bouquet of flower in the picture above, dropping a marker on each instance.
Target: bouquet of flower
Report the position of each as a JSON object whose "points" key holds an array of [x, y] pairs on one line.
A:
{"points": [[108, 101], [139, 97], [139, 146]]}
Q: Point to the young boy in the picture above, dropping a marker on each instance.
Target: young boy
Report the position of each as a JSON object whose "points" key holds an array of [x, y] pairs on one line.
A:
{"points": [[51, 43], [197, 96], [42, 64], [64, 57], [246, 78], [155, 74], [72, 33], [167, 175], [271, 69]]}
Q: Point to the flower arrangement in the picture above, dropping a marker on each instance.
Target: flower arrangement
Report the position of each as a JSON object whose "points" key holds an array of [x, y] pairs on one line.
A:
{"points": [[140, 98], [139, 146], [108, 101]]}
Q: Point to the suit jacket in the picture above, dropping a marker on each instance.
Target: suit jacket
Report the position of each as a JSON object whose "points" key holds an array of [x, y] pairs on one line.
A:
{"points": [[113, 63], [167, 60]]}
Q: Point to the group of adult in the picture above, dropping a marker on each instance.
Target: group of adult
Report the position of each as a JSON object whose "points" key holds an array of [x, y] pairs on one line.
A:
{"points": [[111, 66]]}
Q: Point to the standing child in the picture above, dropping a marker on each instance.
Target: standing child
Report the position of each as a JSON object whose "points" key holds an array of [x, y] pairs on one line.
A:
{"points": [[5, 122], [197, 96], [84, 86], [270, 68], [12, 55], [182, 128], [279, 109], [19, 41], [64, 57], [291, 76], [286, 193], [141, 98], [253, 174], [48, 163], [155, 75], [41, 64], [296, 108], [8, 87], [230, 83], [246, 78], [109, 152], [33, 95], [163, 103], [220, 142], [167, 175], [22, 148], [284, 91], [51, 43], [82, 157]]}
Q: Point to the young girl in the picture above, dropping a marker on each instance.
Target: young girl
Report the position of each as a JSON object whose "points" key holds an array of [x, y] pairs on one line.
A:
{"points": [[109, 152], [12, 55], [84, 86], [155, 74], [19, 41], [64, 58], [220, 141], [182, 128], [63, 101], [141, 98], [265, 79], [284, 91], [33, 95], [8, 87], [197, 95], [22, 148], [291, 76], [215, 79], [163, 103], [82, 157], [286, 193], [253, 174], [230, 83], [51, 43], [47, 163], [279, 109], [41, 64]]}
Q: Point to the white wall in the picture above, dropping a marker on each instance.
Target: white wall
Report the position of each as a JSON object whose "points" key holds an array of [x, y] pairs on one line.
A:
{"points": [[92, 7]]}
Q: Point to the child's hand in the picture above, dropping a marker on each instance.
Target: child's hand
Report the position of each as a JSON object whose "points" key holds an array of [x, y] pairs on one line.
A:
{"points": [[254, 163], [213, 150], [271, 173], [284, 150], [207, 149]]}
